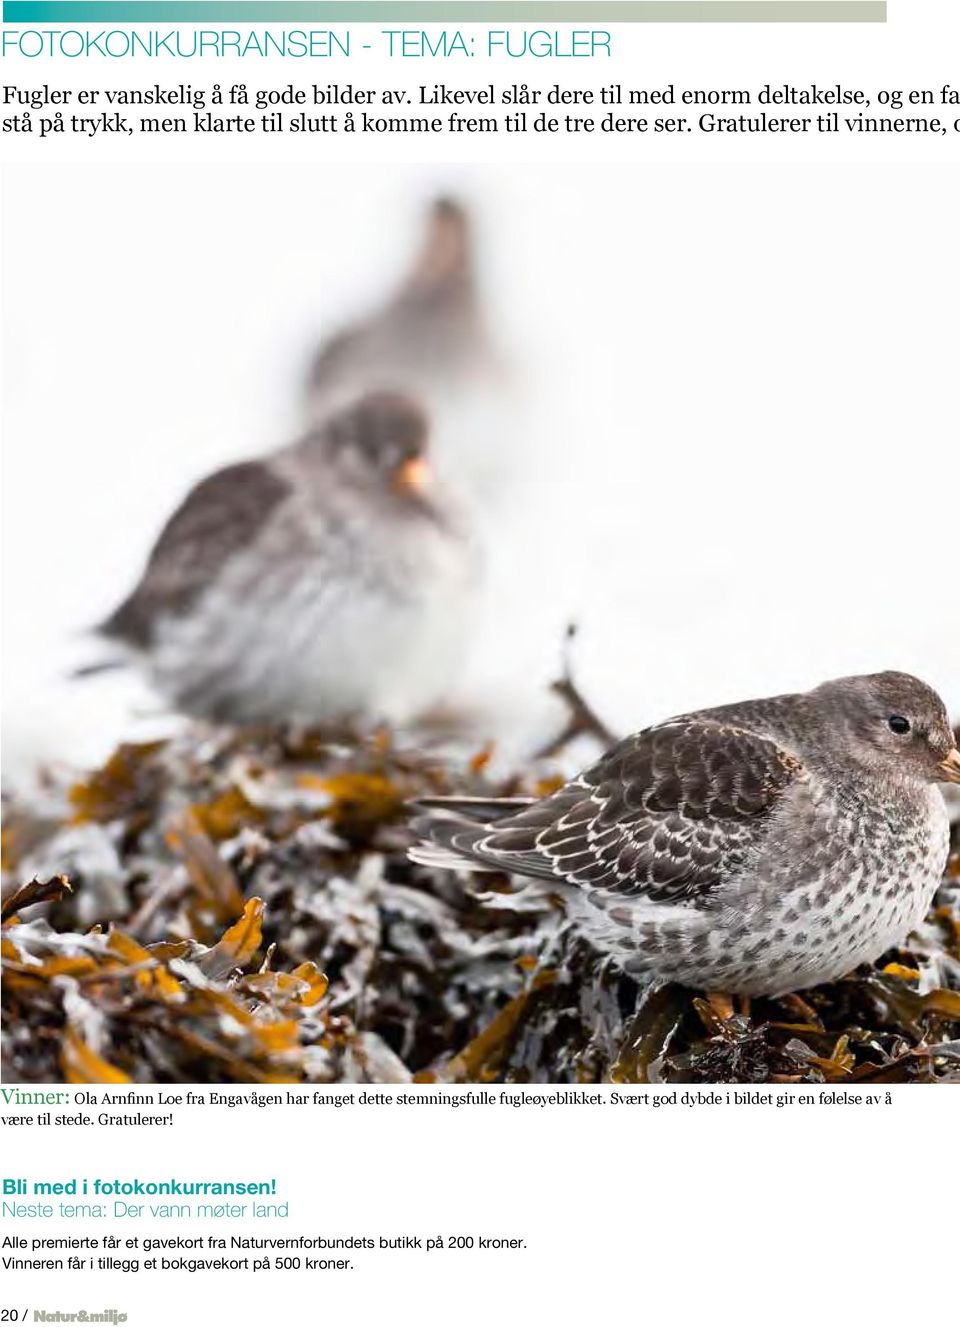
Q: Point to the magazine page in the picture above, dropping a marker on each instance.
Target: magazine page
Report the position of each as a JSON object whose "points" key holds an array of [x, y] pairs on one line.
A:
{"points": [[481, 687]]}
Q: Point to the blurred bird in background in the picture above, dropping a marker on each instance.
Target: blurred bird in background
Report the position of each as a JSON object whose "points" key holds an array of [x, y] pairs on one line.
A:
{"points": [[333, 579], [429, 339]]}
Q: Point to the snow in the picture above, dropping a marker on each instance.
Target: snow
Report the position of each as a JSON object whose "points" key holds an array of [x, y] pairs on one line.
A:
{"points": [[728, 450]]}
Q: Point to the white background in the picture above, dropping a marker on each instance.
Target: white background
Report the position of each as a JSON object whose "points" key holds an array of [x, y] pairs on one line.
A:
{"points": [[730, 448], [738, 468]]}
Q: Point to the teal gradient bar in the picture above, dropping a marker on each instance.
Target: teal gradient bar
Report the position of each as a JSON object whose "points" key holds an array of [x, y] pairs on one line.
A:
{"points": [[587, 12]]}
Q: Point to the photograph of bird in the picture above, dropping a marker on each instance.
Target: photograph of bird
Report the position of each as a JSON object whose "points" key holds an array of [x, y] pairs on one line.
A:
{"points": [[325, 583], [375, 495], [757, 848], [332, 580]]}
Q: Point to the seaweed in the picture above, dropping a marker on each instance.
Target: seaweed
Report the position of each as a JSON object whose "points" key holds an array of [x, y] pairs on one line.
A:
{"points": [[239, 906]]}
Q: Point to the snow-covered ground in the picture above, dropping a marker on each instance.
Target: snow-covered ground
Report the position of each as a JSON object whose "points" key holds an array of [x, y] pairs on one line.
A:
{"points": [[730, 452]]}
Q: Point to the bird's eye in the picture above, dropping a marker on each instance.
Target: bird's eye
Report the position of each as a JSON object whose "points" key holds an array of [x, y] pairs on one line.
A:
{"points": [[899, 724]]}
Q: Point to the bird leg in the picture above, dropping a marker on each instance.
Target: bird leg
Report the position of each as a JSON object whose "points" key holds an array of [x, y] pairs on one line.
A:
{"points": [[722, 1005], [717, 1014]]}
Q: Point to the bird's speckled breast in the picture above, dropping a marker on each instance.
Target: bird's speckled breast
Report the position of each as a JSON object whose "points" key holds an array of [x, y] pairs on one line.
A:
{"points": [[832, 887]]}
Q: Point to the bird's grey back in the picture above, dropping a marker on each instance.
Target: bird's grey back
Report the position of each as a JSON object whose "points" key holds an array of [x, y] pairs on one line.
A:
{"points": [[220, 516]]}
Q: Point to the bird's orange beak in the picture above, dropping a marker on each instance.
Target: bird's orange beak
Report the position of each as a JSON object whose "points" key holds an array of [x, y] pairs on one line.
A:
{"points": [[950, 768], [412, 476]]}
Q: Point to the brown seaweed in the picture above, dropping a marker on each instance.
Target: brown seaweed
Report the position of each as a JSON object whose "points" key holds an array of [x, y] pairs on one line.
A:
{"points": [[239, 906]]}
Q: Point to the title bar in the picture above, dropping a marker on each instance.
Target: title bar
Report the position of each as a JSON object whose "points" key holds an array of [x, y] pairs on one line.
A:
{"points": [[443, 11]]}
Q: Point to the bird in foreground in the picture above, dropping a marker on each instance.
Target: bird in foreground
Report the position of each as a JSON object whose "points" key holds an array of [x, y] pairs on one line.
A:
{"points": [[756, 849], [331, 581]]}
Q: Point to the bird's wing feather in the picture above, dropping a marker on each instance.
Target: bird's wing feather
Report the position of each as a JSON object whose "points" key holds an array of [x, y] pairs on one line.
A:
{"points": [[663, 815], [220, 516], [482, 809]]}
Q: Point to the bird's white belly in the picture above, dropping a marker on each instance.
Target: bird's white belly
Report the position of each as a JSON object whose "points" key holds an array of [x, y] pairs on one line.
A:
{"points": [[373, 654], [292, 642]]}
